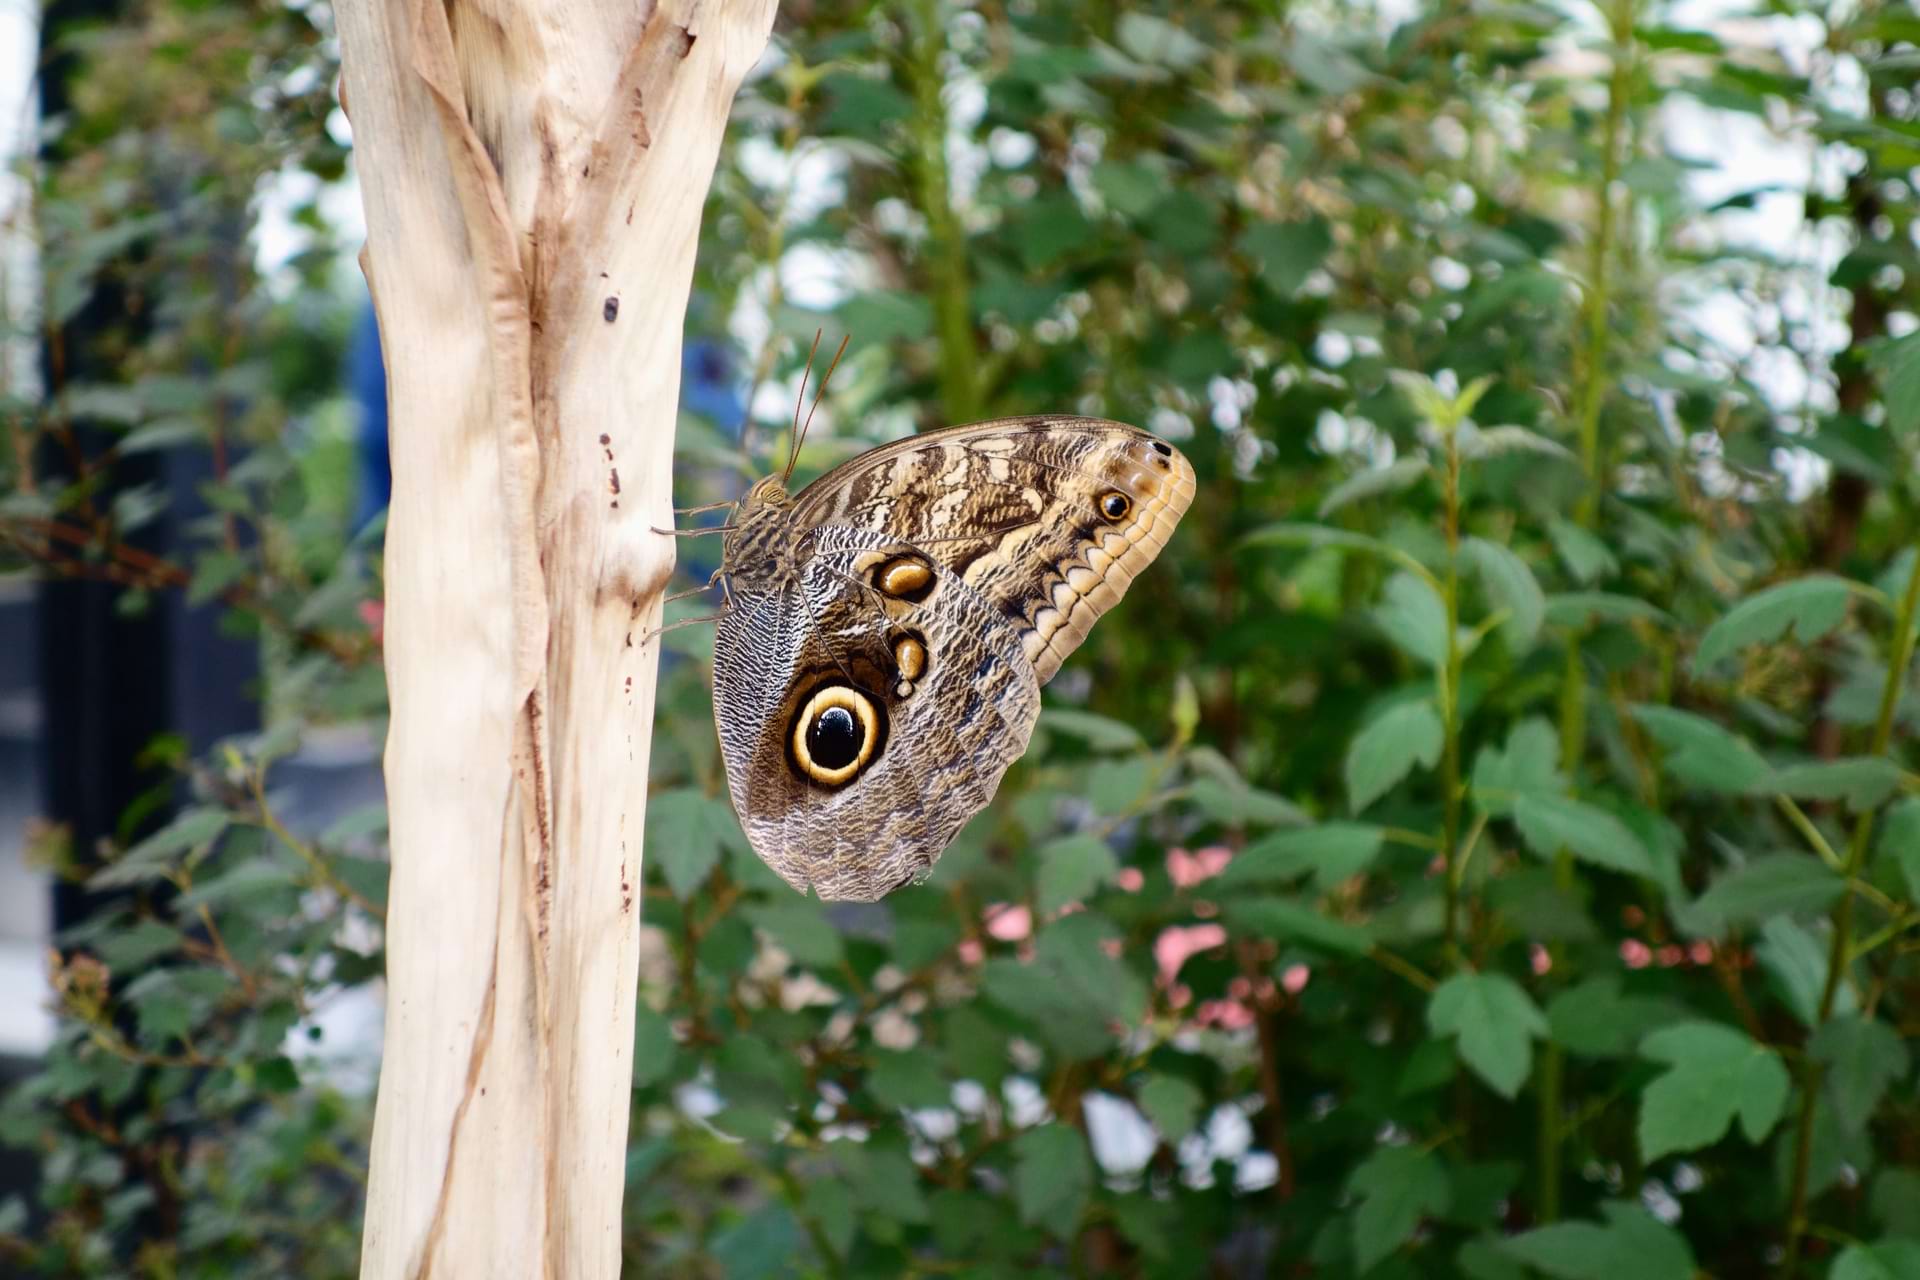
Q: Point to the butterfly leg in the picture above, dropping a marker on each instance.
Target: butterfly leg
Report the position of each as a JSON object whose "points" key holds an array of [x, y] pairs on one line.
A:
{"points": [[657, 632], [695, 533], [709, 506], [701, 590]]}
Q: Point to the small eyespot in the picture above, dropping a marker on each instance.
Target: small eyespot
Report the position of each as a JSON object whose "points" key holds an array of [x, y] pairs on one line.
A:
{"points": [[905, 578], [1115, 505], [910, 655]]}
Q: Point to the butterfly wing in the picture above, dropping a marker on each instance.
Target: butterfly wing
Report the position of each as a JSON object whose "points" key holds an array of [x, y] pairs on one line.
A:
{"points": [[866, 712], [1047, 519]]}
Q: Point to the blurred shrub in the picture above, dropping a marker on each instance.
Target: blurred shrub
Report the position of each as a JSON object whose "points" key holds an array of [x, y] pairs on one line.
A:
{"points": [[1485, 845]]}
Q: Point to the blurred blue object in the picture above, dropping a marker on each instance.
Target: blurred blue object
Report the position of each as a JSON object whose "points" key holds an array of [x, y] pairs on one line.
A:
{"points": [[707, 387]]}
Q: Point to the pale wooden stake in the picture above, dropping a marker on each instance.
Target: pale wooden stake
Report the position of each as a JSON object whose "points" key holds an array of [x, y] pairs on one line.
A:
{"points": [[534, 172]]}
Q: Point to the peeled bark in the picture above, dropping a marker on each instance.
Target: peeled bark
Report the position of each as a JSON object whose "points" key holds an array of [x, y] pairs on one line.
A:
{"points": [[534, 172]]}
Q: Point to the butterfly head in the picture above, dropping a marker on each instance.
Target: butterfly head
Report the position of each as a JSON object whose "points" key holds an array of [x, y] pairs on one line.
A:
{"points": [[768, 491]]}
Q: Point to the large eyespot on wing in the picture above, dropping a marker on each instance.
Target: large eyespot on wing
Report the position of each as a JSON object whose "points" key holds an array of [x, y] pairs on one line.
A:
{"points": [[1049, 519], [881, 721]]}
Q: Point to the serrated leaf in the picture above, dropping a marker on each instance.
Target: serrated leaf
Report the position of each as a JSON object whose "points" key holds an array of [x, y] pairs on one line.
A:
{"points": [[1578, 609], [1887, 1260], [1900, 840], [1715, 1073], [907, 1080], [1493, 1022], [686, 832], [1529, 762], [1632, 1243], [1388, 748], [153, 857], [1285, 920], [1549, 823], [1397, 1187], [1807, 607], [1587, 558], [1099, 732], [1286, 253], [1511, 586], [1863, 782], [801, 929], [1597, 1020], [1071, 868], [1414, 618], [1777, 884], [1052, 1178], [1862, 1056], [1333, 852], [1796, 961], [1493, 442], [1700, 753], [1392, 478], [1172, 1103]]}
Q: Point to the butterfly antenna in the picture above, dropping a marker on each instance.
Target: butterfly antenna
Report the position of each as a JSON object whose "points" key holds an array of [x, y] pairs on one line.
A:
{"points": [[793, 452], [819, 392]]}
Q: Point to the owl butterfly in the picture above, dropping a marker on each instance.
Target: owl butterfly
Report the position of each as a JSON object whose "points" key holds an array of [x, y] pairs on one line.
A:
{"points": [[887, 630]]}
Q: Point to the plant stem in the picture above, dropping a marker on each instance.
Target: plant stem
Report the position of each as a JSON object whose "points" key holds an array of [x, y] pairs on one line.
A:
{"points": [[1450, 704], [1838, 954], [946, 238], [1590, 393]]}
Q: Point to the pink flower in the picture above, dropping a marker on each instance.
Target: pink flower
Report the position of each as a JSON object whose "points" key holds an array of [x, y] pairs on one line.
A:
{"points": [[1008, 922], [374, 614], [1228, 1015], [1636, 954], [1539, 957], [1172, 948], [970, 951], [1701, 952], [1130, 879], [1293, 979], [1672, 954], [1187, 869]]}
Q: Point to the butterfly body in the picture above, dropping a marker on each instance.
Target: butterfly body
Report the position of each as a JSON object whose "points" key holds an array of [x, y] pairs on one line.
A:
{"points": [[889, 627]]}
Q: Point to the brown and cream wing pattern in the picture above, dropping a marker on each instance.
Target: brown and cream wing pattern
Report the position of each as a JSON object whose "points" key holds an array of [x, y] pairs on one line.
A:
{"points": [[1048, 519], [925, 684]]}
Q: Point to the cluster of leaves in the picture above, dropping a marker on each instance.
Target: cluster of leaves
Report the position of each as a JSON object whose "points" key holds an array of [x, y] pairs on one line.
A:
{"points": [[1484, 845]]}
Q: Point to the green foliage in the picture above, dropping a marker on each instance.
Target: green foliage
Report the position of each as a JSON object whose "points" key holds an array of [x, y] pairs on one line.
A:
{"points": [[1483, 845]]}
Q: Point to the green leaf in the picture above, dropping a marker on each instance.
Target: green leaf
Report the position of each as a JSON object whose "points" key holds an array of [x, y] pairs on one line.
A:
{"points": [[1333, 852], [686, 831], [1098, 732], [1071, 868], [1052, 1178], [1493, 442], [1530, 762], [1809, 607], [1172, 1103], [251, 879], [1157, 41], [1895, 1201], [1578, 609], [154, 857], [1286, 253], [1898, 363], [1597, 1020], [654, 1047], [1494, 1023], [884, 315], [1796, 961], [1511, 586], [1414, 618], [1387, 749], [1632, 1243], [801, 929], [1285, 920], [1781, 883], [1862, 1057], [1397, 1187], [1888, 1260], [1700, 753], [1900, 840], [1862, 781], [907, 1080], [1549, 823], [1392, 478], [1587, 558], [1072, 991], [1716, 1073]]}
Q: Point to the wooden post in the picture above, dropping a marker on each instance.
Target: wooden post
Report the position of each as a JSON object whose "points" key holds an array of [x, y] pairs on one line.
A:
{"points": [[534, 172]]}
